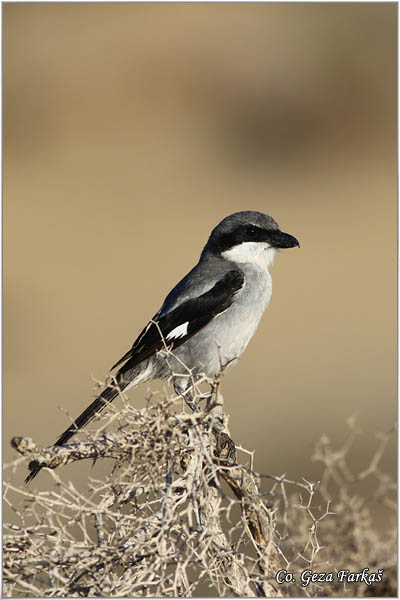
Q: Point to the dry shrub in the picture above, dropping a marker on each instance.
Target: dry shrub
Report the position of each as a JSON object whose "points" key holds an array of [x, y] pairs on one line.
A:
{"points": [[177, 516]]}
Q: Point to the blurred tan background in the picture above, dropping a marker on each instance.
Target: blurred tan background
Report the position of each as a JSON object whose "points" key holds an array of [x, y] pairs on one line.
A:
{"points": [[130, 130]]}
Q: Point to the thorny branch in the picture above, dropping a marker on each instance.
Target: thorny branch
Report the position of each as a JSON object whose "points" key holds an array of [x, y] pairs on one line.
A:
{"points": [[162, 523]]}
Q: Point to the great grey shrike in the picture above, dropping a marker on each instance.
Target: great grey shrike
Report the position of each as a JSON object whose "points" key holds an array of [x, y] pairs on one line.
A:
{"points": [[208, 318]]}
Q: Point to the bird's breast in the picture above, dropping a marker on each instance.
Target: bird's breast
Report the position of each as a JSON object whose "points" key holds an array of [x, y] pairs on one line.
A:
{"points": [[232, 330], [223, 340]]}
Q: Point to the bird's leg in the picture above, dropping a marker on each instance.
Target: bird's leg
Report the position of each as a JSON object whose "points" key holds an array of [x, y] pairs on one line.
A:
{"points": [[194, 407], [184, 388]]}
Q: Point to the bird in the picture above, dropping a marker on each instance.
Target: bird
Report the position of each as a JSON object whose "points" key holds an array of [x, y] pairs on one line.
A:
{"points": [[207, 320]]}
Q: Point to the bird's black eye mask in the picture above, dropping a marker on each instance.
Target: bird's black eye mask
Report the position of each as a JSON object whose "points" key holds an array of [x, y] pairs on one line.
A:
{"points": [[251, 233]]}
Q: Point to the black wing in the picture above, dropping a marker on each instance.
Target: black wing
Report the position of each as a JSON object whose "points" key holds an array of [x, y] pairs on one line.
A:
{"points": [[181, 323]]}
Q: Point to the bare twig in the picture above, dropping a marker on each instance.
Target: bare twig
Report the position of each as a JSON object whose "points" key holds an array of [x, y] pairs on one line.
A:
{"points": [[161, 524]]}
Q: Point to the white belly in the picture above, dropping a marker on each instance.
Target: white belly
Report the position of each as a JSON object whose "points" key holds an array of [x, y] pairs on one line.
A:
{"points": [[225, 338]]}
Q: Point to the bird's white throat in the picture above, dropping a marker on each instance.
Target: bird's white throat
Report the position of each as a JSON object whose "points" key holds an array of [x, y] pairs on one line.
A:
{"points": [[260, 254]]}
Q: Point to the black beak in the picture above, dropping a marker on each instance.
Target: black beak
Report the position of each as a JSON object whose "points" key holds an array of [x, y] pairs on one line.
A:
{"points": [[279, 239]]}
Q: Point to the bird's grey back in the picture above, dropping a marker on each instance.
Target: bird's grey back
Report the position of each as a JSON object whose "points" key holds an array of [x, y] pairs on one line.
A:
{"points": [[208, 271]]}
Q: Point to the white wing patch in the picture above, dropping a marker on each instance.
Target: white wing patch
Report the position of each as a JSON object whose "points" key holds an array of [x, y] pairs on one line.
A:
{"points": [[178, 332]]}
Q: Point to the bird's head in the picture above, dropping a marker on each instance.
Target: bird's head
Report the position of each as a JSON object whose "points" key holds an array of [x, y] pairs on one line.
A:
{"points": [[249, 237]]}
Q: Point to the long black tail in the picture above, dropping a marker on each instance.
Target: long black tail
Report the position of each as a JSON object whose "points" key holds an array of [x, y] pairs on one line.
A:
{"points": [[88, 414]]}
